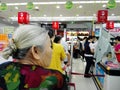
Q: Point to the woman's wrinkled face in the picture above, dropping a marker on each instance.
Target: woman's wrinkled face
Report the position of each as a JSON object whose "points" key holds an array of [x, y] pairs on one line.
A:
{"points": [[46, 56]]}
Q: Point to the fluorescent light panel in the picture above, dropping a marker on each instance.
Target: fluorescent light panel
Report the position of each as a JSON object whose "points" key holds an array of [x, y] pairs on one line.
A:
{"points": [[84, 18], [75, 2]]}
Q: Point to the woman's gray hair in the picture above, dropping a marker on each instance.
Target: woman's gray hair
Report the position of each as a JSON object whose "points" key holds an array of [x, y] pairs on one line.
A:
{"points": [[24, 37]]}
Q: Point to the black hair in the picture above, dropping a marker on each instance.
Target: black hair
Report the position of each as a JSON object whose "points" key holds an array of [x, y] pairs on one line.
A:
{"points": [[51, 32], [95, 37], [20, 53], [57, 38], [117, 38], [90, 37]]}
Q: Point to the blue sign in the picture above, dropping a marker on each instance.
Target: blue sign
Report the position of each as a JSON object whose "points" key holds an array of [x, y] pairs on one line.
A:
{"points": [[9, 36], [97, 31]]}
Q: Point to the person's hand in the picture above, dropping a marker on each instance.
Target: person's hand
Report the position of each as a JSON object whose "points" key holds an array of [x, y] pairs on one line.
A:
{"points": [[68, 64]]}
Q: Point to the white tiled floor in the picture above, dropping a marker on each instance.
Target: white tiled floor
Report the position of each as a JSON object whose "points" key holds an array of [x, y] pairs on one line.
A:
{"points": [[79, 80]]}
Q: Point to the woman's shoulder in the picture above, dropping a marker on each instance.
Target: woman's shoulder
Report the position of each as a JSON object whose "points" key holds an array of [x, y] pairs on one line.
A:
{"points": [[9, 74], [8, 68], [13, 65], [5, 64], [12, 72]]}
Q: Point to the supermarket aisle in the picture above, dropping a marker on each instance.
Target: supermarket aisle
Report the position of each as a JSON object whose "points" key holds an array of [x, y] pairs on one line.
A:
{"points": [[79, 80]]}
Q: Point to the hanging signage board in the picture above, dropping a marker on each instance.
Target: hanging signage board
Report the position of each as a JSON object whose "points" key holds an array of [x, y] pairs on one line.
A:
{"points": [[102, 16], [115, 31], [110, 25], [55, 25], [23, 18]]}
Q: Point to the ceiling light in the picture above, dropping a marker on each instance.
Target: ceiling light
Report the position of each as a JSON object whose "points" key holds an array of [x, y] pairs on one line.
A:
{"points": [[74, 2], [77, 15], [85, 18], [14, 4], [36, 7], [80, 6], [16, 7], [112, 14], [104, 5], [61, 15], [94, 14], [57, 6], [44, 15]]}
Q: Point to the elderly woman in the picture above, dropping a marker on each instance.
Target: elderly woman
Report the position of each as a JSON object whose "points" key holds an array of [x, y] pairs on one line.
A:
{"points": [[31, 51]]}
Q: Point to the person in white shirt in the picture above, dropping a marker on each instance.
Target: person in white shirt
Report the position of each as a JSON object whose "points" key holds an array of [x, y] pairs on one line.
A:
{"points": [[95, 42], [65, 45]]}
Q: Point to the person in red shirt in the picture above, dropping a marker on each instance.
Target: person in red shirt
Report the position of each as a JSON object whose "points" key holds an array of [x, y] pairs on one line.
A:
{"points": [[117, 48]]}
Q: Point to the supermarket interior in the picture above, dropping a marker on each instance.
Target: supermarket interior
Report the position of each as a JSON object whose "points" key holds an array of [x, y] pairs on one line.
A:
{"points": [[90, 30]]}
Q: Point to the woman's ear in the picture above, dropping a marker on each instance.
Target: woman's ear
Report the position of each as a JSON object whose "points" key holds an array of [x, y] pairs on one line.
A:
{"points": [[35, 52]]}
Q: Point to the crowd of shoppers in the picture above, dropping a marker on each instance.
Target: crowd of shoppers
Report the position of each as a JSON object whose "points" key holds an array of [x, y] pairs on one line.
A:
{"points": [[38, 61]]}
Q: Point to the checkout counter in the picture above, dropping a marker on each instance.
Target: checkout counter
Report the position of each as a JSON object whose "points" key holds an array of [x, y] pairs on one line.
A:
{"points": [[111, 72], [107, 69]]}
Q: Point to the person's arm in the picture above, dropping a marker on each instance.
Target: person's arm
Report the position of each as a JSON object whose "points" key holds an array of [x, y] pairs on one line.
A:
{"points": [[92, 47], [67, 54], [68, 57], [117, 51], [63, 54]]}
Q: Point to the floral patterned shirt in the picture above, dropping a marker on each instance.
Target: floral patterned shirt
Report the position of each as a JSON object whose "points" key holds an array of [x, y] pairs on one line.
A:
{"points": [[15, 76]]}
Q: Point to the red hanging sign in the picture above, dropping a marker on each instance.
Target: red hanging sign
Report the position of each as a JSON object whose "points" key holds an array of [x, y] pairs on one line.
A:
{"points": [[102, 16], [110, 25], [26, 20], [55, 25], [23, 18]]}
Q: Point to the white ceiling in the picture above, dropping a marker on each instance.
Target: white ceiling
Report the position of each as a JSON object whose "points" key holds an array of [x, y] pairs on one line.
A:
{"points": [[86, 13]]}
